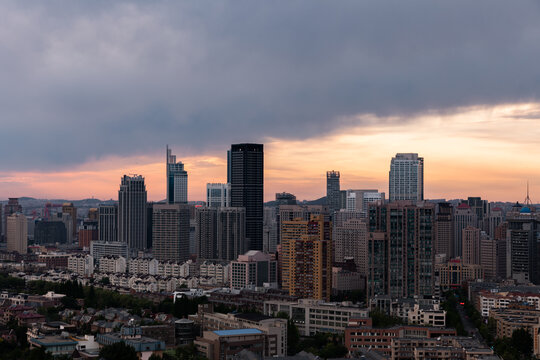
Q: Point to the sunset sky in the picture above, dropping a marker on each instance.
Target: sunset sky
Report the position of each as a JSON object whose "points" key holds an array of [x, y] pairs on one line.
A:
{"points": [[94, 90]]}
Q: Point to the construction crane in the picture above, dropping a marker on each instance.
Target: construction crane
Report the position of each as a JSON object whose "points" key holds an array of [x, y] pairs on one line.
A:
{"points": [[47, 212]]}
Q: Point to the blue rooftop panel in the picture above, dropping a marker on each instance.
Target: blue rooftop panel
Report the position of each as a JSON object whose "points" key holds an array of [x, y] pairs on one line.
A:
{"points": [[238, 332]]}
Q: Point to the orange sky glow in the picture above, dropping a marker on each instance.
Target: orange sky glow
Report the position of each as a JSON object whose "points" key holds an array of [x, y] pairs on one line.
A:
{"points": [[484, 151]]}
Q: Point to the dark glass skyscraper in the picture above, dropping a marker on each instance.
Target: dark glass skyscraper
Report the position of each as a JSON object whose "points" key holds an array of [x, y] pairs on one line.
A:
{"points": [[177, 180], [333, 195], [246, 174], [132, 212]]}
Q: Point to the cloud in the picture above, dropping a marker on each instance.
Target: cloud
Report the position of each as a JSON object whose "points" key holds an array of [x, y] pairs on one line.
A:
{"points": [[85, 81]]}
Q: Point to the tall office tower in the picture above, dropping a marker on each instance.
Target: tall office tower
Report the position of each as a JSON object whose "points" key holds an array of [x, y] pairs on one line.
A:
{"points": [[333, 194], [88, 232], [400, 244], [481, 209], [68, 223], [231, 232], [501, 241], [306, 251], [471, 245], [488, 256], [444, 230], [406, 177], [285, 198], [70, 209], [220, 233], [132, 212], [358, 200], [11, 207], [246, 166], [350, 240], [463, 217], [523, 238], [170, 232], [494, 219], [177, 180], [206, 232], [218, 195], [93, 214], [270, 231], [108, 223], [17, 233]]}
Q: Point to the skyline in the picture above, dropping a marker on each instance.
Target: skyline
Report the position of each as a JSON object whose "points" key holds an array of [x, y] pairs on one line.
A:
{"points": [[94, 91]]}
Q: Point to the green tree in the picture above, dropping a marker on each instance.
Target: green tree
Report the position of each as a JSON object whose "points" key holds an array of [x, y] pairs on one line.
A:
{"points": [[380, 319], [522, 341], [118, 351]]}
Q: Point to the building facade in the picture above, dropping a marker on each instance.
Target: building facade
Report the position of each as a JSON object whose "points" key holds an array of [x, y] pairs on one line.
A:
{"points": [[218, 195], [406, 177], [132, 220], [177, 180], [333, 196], [17, 233], [170, 232]]}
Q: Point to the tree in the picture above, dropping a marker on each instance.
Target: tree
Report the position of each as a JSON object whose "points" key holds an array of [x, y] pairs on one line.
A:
{"points": [[522, 341], [118, 351]]}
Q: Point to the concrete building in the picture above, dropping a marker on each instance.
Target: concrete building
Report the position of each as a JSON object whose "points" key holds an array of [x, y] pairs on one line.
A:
{"points": [[333, 191], [132, 219], [224, 344], [108, 223], [358, 200], [523, 238], [170, 232], [488, 256], [88, 232], [463, 217], [350, 240], [454, 273], [246, 169], [406, 177], [81, 264], [98, 249], [444, 230], [344, 280], [400, 249], [69, 208], [270, 229], [11, 207], [471, 245], [112, 264], [253, 269], [285, 198], [17, 233], [177, 180], [306, 252], [218, 195], [50, 232], [132, 335], [315, 316]]}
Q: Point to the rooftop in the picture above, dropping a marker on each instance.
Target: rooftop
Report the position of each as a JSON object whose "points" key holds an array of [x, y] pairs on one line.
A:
{"points": [[237, 332]]}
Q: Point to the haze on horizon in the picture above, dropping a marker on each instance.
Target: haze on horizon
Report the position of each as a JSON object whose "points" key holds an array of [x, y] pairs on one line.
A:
{"points": [[92, 91]]}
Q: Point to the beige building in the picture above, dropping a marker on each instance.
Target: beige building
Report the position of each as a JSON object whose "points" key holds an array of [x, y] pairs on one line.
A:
{"points": [[471, 245], [17, 233], [488, 256]]}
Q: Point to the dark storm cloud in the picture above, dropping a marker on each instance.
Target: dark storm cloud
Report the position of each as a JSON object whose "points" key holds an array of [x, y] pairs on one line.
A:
{"points": [[86, 80]]}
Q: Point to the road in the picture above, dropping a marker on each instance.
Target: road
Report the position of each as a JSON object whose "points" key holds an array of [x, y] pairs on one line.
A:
{"points": [[468, 324]]}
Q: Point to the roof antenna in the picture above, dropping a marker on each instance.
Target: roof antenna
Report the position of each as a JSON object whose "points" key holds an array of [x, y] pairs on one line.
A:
{"points": [[528, 199]]}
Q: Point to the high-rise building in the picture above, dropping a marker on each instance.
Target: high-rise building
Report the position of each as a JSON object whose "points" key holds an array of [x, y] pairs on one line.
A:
{"points": [[471, 245], [463, 217], [98, 249], [68, 223], [251, 269], [495, 218], [108, 223], [444, 230], [50, 232], [502, 268], [177, 180], [270, 230], [358, 200], [246, 167], [88, 232], [218, 195], [488, 256], [93, 214], [70, 209], [11, 207], [400, 249], [333, 194], [170, 232], [306, 251], [304, 212], [132, 212], [17, 233], [406, 177], [524, 235], [480, 208], [220, 233], [350, 240]]}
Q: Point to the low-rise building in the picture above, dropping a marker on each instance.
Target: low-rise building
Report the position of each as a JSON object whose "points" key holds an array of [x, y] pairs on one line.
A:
{"points": [[515, 317], [112, 264], [455, 273], [132, 336], [81, 264], [314, 316], [224, 344]]}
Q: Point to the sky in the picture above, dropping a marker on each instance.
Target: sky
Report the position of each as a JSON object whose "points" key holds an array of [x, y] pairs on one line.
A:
{"points": [[94, 90]]}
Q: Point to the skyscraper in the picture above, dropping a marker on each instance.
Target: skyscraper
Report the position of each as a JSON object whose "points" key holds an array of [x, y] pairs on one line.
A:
{"points": [[218, 195], [523, 229], [333, 195], [17, 233], [444, 230], [306, 251], [246, 168], [132, 212], [11, 207], [108, 223], [463, 217], [177, 180], [471, 245], [400, 244], [406, 177], [70, 209], [170, 232]]}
